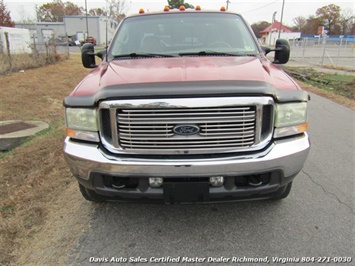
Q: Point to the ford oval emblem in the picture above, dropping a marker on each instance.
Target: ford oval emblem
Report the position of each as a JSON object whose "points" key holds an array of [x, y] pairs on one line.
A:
{"points": [[186, 129]]}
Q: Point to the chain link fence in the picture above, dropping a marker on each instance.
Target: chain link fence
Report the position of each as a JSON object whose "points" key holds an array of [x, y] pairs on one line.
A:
{"points": [[41, 54], [322, 52]]}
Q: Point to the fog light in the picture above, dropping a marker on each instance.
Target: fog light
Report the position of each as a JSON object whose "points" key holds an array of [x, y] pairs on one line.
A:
{"points": [[155, 181], [216, 181]]}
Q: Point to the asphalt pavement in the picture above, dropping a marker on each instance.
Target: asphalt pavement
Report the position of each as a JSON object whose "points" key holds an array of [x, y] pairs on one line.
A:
{"points": [[315, 223]]}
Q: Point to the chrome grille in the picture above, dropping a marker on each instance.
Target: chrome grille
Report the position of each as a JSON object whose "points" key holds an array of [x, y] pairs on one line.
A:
{"points": [[219, 127], [148, 125]]}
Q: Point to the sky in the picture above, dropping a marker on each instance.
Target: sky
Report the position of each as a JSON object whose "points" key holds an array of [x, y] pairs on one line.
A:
{"points": [[253, 11]]}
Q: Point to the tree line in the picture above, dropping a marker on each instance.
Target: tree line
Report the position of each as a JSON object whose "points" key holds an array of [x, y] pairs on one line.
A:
{"points": [[334, 20], [55, 11]]}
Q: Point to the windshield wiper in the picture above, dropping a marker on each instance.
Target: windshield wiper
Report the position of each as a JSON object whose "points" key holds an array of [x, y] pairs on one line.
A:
{"points": [[143, 55], [215, 53], [201, 53]]}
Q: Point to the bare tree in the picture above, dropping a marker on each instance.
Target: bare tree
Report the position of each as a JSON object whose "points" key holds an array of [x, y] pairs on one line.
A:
{"points": [[24, 16], [116, 9], [300, 22], [178, 3], [312, 25], [346, 21], [258, 27], [54, 11], [97, 12]]}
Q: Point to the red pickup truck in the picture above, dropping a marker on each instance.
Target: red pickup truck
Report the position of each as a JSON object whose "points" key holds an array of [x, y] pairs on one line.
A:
{"points": [[186, 107], [88, 40]]}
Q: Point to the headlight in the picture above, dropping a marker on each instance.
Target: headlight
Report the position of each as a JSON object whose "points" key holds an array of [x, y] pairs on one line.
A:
{"points": [[82, 124], [291, 119], [290, 114]]}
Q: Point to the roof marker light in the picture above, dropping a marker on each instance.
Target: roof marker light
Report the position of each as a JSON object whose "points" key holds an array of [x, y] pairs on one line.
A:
{"points": [[197, 8], [223, 8], [166, 8], [182, 8], [141, 11]]}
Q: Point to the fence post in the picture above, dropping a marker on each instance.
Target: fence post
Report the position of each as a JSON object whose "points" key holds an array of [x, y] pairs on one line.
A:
{"points": [[1, 45], [35, 52], [47, 50], [324, 46], [53, 48], [340, 47], [303, 44], [67, 44], [8, 49]]}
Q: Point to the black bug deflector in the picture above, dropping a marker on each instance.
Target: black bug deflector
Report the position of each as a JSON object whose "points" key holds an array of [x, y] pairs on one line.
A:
{"points": [[190, 89]]}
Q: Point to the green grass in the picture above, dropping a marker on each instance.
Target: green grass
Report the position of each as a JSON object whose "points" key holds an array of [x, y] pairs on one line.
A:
{"points": [[336, 83]]}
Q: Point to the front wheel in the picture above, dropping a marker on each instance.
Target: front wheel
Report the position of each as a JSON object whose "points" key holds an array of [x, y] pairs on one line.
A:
{"points": [[283, 192], [90, 195]]}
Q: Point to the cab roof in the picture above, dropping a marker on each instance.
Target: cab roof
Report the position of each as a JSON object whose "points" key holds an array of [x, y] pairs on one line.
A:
{"points": [[167, 10]]}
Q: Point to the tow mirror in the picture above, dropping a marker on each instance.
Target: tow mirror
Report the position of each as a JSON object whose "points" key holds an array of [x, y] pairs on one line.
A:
{"points": [[282, 51], [88, 56]]}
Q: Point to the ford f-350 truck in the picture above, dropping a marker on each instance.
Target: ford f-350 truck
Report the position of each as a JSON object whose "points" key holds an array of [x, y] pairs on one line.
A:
{"points": [[185, 107]]}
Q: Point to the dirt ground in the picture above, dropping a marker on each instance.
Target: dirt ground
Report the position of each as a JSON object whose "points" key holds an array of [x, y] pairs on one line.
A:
{"points": [[42, 212]]}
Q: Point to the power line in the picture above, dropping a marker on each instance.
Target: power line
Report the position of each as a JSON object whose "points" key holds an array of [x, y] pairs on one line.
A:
{"points": [[260, 7]]}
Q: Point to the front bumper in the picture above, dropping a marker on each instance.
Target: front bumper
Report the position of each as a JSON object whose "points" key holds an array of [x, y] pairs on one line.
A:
{"points": [[281, 161]]}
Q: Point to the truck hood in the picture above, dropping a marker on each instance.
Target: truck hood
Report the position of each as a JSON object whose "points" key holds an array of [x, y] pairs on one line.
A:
{"points": [[184, 69]]}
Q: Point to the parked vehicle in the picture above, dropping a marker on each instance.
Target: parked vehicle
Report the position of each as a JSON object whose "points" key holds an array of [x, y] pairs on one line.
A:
{"points": [[71, 41], [89, 40], [186, 107]]}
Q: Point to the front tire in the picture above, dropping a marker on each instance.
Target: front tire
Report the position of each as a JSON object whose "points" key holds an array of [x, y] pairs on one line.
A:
{"points": [[90, 195], [283, 192]]}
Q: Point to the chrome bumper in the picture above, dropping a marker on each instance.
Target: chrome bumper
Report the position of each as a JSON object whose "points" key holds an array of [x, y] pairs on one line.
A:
{"points": [[286, 156]]}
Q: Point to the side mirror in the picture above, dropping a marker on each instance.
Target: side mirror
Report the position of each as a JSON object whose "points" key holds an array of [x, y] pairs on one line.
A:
{"points": [[101, 54], [88, 55], [282, 51], [266, 49]]}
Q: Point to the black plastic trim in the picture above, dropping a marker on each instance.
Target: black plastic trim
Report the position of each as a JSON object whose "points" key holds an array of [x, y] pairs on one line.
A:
{"points": [[276, 186], [189, 89]]}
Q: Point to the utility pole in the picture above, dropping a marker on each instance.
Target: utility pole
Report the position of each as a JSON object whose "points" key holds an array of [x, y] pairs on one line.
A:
{"points": [[87, 24], [227, 4], [272, 23], [282, 14]]}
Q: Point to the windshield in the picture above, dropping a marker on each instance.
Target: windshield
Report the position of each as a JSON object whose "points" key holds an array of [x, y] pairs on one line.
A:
{"points": [[178, 34]]}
